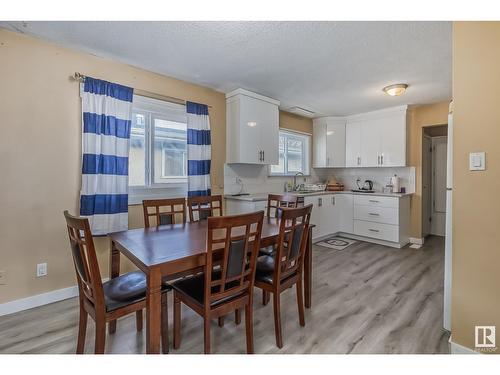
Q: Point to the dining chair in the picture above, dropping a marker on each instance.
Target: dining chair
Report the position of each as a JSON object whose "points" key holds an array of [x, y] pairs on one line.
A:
{"points": [[277, 201], [204, 206], [276, 273], [108, 301], [165, 211], [227, 282]]}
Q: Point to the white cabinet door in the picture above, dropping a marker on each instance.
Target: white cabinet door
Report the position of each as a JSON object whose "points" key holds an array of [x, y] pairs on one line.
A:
{"points": [[345, 209], [353, 144], [319, 143], [251, 129], [335, 143], [269, 140], [393, 140], [370, 143]]}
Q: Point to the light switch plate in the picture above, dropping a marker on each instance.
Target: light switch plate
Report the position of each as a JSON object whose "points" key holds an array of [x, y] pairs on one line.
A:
{"points": [[41, 269], [477, 161]]}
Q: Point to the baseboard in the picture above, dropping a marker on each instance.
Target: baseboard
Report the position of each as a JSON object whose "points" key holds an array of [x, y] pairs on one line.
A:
{"points": [[27, 303], [460, 349]]}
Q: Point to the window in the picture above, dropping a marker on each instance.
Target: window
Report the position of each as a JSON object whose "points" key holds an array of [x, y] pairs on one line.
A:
{"points": [[158, 145], [293, 154]]}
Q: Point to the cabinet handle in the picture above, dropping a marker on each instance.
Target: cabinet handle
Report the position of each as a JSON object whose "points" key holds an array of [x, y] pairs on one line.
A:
{"points": [[260, 156], [374, 230], [373, 201], [333, 201], [359, 160], [327, 161], [373, 214], [378, 160], [382, 159], [263, 156], [320, 202]]}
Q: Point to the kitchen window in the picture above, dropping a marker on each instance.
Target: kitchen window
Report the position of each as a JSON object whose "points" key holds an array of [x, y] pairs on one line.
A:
{"points": [[158, 149], [294, 151]]}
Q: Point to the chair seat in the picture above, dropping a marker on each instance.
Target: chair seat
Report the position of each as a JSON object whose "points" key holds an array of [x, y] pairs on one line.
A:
{"points": [[125, 290], [265, 270], [194, 287]]}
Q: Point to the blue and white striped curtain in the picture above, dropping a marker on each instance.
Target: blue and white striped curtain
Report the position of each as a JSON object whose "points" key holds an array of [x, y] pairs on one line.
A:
{"points": [[107, 113], [199, 149]]}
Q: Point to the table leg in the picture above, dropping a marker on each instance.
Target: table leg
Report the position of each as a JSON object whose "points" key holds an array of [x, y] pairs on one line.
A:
{"points": [[114, 271], [153, 311], [308, 271]]}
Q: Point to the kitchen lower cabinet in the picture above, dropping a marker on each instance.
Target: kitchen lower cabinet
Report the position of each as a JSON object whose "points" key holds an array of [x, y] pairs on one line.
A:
{"points": [[372, 218], [238, 207]]}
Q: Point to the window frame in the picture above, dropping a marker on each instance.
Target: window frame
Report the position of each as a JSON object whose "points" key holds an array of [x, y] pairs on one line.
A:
{"points": [[155, 109], [306, 162]]}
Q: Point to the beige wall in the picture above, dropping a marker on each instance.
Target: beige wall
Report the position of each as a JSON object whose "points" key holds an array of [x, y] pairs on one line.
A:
{"points": [[40, 148], [476, 204], [419, 117]]}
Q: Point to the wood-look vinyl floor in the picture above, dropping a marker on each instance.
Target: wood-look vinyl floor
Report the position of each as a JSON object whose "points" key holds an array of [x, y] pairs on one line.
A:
{"points": [[366, 299]]}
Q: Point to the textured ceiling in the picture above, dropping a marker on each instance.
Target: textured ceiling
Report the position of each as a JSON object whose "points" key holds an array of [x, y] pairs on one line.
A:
{"points": [[331, 68]]}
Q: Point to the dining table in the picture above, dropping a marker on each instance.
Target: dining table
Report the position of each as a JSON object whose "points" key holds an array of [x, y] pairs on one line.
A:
{"points": [[176, 248]]}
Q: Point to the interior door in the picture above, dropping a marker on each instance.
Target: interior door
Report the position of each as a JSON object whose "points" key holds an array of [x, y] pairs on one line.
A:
{"points": [[439, 156], [426, 185], [353, 144]]}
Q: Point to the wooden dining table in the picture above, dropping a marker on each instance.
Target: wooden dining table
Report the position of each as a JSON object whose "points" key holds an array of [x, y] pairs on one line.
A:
{"points": [[172, 249]]}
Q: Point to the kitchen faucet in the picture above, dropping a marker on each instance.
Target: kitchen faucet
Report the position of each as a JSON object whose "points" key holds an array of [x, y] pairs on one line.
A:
{"points": [[295, 179]]}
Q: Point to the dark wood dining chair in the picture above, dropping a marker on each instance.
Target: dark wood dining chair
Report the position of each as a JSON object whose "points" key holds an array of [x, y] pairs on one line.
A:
{"points": [[277, 201], [164, 211], [202, 207], [227, 282], [108, 301], [278, 272]]}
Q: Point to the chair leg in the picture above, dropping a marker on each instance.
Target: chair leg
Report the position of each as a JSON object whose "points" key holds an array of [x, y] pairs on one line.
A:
{"points": [[206, 334], [300, 301], [177, 321], [265, 297], [277, 319], [164, 324], [138, 320], [82, 331], [249, 327], [221, 321], [237, 316], [100, 334]]}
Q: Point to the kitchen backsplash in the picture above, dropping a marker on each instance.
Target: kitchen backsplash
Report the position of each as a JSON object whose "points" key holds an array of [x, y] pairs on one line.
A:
{"points": [[255, 178]]}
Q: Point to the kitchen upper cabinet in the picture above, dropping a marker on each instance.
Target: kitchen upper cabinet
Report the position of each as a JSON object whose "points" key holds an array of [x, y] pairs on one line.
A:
{"points": [[377, 139], [329, 142], [353, 144], [252, 128]]}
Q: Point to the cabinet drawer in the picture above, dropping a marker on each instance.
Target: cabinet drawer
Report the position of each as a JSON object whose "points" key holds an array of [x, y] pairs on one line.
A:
{"points": [[373, 200], [386, 232], [384, 215]]}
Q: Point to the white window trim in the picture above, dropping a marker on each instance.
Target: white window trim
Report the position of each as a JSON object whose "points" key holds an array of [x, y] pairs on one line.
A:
{"points": [[157, 190], [307, 154]]}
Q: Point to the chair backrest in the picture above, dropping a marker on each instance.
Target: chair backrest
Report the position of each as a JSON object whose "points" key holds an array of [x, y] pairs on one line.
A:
{"points": [[164, 210], [202, 207], [292, 241], [233, 244], [278, 201], [84, 257]]}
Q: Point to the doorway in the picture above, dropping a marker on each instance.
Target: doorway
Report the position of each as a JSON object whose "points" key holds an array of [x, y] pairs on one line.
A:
{"points": [[434, 155]]}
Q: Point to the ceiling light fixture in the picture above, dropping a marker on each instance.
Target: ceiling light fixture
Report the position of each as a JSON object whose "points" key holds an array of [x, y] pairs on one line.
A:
{"points": [[395, 90]]}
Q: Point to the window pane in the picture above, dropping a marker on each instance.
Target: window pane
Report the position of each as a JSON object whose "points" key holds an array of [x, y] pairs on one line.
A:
{"points": [[170, 151], [295, 155], [280, 168], [137, 155]]}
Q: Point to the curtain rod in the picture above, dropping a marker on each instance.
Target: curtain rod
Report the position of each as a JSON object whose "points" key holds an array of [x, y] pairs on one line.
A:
{"points": [[81, 78]]}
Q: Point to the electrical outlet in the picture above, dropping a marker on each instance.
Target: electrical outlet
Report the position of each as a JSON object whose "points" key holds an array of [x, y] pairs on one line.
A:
{"points": [[41, 269], [3, 277]]}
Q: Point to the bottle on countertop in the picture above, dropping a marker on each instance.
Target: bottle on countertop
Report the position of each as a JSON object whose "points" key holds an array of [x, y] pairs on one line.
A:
{"points": [[395, 184]]}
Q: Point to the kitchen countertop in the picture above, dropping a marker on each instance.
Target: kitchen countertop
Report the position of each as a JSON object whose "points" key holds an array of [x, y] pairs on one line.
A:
{"points": [[263, 196]]}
